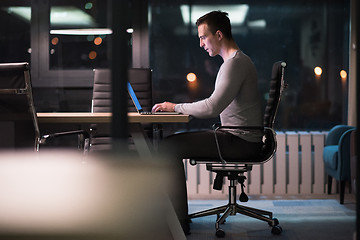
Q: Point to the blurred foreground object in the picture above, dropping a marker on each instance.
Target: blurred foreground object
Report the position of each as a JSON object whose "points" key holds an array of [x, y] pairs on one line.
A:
{"points": [[62, 195]]}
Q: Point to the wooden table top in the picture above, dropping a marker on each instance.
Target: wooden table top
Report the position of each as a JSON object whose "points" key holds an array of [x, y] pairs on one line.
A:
{"points": [[87, 117]]}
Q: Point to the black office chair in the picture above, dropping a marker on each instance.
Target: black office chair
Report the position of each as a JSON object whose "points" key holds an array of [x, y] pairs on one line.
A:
{"points": [[234, 170], [18, 119], [141, 81]]}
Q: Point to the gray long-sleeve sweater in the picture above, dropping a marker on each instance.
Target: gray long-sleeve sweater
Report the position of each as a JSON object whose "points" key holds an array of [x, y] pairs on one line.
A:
{"points": [[235, 98]]}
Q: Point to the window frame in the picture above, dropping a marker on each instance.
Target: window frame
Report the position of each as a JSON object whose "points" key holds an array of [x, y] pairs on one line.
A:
{"points": [[41, 74]]}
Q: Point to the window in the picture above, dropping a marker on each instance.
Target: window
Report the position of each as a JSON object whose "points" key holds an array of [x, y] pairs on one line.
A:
{"points": [[65, 53], [15, 17], [79, 35], [307, 35], [63, 40]]}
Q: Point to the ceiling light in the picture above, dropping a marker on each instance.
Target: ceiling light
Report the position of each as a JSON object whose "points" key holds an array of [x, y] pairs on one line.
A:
{"points": [[69, 16], [22, 12], [261, 23], [237, 12], [82, 31], [59, 16]]}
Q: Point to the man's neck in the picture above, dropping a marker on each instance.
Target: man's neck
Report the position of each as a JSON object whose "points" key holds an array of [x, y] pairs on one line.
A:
{"points": [[228, 48]]}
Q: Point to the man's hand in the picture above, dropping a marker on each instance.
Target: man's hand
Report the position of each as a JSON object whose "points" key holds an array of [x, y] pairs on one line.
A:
{"points": [[164, 107]]}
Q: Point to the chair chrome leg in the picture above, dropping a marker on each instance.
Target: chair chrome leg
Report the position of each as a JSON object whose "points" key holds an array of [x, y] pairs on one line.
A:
{"points": [[209, 212], [256, 213], [232, 208], [223, 217]]}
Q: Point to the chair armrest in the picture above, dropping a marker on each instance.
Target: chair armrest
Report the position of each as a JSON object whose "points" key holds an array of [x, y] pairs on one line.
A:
{"points": [[217, 126], [344, 154], [335, 134], [246, 130], [81, 133], [269, 139]]}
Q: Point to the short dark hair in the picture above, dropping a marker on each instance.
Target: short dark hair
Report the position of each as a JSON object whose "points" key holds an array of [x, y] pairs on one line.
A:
{"points": [[217, 20]]}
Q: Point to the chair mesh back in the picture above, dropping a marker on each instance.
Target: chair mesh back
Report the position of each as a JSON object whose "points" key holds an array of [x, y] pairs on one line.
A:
{"points": [[140, 79], [12, 76], [101, 100], [18, 121], [276, 87]]}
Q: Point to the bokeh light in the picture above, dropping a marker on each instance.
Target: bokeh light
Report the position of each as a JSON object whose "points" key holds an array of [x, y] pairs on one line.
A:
{"points": [[343, 74], [88, 5], [191, 77], [55, 41], [98, 41], [318, 71], [92, 55]]}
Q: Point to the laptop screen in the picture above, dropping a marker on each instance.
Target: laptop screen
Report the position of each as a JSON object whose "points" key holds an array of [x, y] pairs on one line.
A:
{"points": [[133, 97]]}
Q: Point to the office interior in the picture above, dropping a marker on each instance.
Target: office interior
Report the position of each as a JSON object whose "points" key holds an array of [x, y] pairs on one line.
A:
{"points": [[65, 40]]}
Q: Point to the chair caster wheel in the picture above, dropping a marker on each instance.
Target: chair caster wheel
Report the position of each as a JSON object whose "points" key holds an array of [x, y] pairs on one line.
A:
{"points": [[275, 222], [276, 230], [220, 233]]}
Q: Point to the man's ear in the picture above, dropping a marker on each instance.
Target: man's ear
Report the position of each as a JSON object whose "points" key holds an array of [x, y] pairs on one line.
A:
{"points": [[219, 35]]}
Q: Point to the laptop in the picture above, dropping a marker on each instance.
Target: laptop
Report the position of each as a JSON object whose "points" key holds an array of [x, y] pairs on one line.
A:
{"points": [[138, 106]]}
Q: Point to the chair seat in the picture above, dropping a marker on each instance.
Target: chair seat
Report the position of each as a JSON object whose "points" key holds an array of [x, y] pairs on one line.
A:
{"points": [[101, 140], [331, 157], [260, 160]]}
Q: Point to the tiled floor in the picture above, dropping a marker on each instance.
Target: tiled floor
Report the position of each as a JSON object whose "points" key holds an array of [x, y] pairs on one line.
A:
{"points": [[300, 218]]}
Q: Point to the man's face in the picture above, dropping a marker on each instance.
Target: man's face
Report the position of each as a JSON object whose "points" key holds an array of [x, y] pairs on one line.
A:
{"points": [[208, 41]]}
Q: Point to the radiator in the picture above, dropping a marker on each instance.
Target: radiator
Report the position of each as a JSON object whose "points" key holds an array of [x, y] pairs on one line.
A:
{"points": [[296, 169]]}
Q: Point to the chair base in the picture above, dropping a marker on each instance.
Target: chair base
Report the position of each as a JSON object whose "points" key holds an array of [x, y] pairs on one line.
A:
{"points": [[232, 208]]}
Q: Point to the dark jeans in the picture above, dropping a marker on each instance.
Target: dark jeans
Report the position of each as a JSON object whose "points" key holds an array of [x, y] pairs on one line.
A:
{"points": [[201, 144]]}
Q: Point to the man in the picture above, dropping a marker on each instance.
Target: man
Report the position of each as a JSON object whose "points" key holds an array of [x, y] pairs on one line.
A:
{"points": [[235, 98]]}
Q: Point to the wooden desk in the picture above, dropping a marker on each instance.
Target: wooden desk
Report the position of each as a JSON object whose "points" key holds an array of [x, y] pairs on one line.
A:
{"points": [[141, 141], [87, 117]]}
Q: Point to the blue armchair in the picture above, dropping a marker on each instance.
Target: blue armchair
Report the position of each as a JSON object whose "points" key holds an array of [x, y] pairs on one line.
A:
{"points": [[336, 157]]}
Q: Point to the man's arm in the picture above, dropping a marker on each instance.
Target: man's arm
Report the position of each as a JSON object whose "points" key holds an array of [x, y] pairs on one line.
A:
{"points": [[227, 87]]}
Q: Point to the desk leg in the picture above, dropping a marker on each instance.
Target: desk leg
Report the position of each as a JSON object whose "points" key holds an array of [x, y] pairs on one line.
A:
{"points": [[157, 135], [143, 146], [173, 222], [141, 140]]}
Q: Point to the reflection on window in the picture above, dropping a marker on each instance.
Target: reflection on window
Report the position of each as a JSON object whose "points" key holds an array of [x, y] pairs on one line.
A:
{"points": [[309, 36], [79, 36], [15, 32]]}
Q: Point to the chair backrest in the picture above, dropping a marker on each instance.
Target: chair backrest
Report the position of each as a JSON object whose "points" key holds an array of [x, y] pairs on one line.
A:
{"points": [[277, 86], [335, 134], [140, 79], [101, 99], [18, 120]]}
